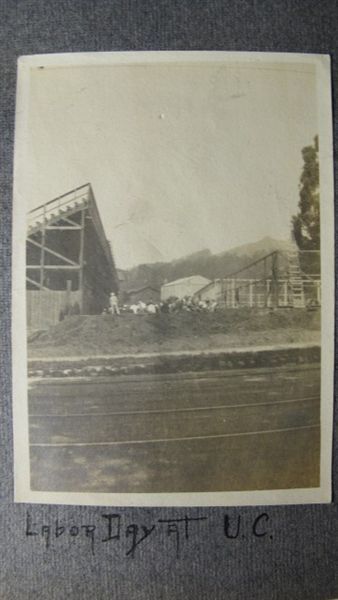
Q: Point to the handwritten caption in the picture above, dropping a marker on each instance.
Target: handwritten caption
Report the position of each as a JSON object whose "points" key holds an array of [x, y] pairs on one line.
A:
{"points": [[114, 528]]}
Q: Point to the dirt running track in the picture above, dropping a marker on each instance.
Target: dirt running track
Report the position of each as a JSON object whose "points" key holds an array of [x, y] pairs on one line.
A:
{"points": [[210, 431]]}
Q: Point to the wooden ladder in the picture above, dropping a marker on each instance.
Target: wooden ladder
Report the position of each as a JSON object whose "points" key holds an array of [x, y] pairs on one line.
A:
{"points": [[296, 280]]}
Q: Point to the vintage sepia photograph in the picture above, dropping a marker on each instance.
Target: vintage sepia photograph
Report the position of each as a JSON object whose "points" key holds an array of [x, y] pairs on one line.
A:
{"points": [[173, 279]]}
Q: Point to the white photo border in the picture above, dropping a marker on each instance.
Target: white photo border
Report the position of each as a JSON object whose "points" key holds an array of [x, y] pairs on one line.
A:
{"points": [[23, 493]]}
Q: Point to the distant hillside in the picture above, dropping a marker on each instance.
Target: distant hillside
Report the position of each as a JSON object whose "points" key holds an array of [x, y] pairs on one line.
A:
{"points": [[265, 245], [212, 266]]}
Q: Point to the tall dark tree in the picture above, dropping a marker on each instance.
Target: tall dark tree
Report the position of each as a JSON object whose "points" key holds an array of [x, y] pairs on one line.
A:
{"points": [[306, 224]]}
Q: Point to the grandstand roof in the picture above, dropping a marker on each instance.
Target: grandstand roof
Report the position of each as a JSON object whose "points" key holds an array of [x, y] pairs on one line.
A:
{"points": [[66, 205]]}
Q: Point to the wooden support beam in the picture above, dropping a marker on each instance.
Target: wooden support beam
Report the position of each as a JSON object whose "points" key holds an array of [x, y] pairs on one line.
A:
{"points": [[50, 251], [250, 265], [251, 298], [72, 225], [63, 227], [43, 241], [266, 285], [37, 284], [275, 279], [70, 221], [81, 260], [68, 291], [70, 267]]}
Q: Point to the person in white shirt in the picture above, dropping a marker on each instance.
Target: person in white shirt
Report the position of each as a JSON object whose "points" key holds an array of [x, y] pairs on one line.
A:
{"points": [[151, 308], [114, 305]]}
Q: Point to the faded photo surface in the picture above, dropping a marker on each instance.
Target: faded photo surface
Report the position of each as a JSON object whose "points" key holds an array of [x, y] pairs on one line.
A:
{"points": [[170, 298]]}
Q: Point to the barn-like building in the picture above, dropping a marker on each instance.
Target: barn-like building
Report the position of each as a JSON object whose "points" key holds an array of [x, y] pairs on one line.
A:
{"points": [[69, 263]]}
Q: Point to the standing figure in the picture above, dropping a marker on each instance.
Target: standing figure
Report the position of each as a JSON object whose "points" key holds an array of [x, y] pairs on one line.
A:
{"points": [[114, 306]]}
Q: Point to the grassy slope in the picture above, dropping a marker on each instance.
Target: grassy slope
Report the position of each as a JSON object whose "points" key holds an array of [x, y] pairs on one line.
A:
{"points": [[90, 335]]}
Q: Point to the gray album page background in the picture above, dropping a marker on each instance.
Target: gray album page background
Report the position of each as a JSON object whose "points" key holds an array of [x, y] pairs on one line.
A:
{"points": [[298, 556]]}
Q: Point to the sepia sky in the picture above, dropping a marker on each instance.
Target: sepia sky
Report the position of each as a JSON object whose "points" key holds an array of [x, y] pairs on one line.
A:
{"points": [[181, 157]]}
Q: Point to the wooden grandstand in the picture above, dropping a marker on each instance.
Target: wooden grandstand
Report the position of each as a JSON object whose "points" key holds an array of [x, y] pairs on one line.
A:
{"points": [[69, 264]]}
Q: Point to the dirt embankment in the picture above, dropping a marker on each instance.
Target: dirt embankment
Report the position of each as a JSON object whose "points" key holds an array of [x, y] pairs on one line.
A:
{"points": [[104, 334]]}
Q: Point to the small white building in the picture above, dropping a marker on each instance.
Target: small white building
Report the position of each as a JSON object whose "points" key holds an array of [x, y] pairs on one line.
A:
{"points": [[187, 286]]}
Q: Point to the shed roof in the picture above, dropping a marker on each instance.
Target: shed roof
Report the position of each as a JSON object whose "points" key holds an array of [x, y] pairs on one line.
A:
{"points": [[141, 289], [193, 278]]}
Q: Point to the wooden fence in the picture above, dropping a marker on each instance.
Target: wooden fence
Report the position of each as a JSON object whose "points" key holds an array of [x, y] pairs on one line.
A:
{"points": [[44, 307], [258, 293]]}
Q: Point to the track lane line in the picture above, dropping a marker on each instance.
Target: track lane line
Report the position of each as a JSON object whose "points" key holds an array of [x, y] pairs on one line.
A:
{"points": [[164, 440], [174, 410]]}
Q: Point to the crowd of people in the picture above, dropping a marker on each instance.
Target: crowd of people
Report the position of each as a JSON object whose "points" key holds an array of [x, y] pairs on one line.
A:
{"points": [[171, 305], [188, 304]]}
